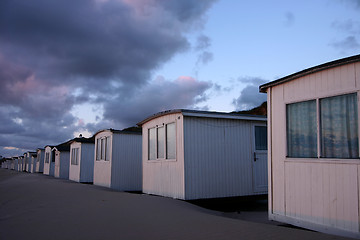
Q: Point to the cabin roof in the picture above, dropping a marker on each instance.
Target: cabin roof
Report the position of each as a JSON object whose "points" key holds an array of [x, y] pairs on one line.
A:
{"points": [[206, 114], [124, 131], [83, 140], [356, 58]]}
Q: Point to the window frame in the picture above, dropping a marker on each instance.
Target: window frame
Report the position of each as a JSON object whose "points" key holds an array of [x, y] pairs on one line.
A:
{"points": [[319, 154], [102, 149], [164, 144], [75, 156]]}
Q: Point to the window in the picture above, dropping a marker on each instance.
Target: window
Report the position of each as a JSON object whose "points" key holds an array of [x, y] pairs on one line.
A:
{"points": [[75, 156], [162, 142], [301, 129], [170, 141], [338, 128], [260, 137], [103, 149], [98, 149], [152, 144], [47, 157], [53, 156]]}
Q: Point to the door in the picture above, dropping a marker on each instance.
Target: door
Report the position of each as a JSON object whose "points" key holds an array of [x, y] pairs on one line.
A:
{"points": [[260, 172]]}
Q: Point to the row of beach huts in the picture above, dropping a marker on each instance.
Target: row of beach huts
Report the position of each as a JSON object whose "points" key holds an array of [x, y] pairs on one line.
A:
{"points": [[304, 154]]}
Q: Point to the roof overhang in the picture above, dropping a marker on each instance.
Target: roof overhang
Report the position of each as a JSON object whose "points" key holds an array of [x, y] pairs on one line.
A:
{"points": [[263, 88]]}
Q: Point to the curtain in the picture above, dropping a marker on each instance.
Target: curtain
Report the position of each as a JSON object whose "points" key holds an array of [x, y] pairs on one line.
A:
{"points": [[339, 127], [301, 129]]}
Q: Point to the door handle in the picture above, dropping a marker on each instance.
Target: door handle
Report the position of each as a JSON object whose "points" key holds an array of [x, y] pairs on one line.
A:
{"points": [[255, 158]]}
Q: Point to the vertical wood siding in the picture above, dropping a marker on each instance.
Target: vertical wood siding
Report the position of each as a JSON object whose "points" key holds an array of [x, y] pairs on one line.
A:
{"points": [[86, 161], [47, 165], [317, 191], [40, 164], [164, 177], [126, 170], [62, 164], [74, 170], [102, 169], [218, 158]]}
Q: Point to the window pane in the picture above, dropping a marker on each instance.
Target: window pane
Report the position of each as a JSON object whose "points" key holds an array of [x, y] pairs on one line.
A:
{"points": [[98, 149], [260, 138], [103, 149], [107, 156], [72, 156], [160, 142], [170, 141], [301, 129], [339, 128], [151, 144]]}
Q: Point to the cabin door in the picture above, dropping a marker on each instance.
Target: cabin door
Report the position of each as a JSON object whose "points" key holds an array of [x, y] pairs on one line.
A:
{"points": [[259, 158]]}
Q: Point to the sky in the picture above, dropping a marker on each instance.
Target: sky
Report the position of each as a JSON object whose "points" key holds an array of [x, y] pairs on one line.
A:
{"points": [[71, 67]]}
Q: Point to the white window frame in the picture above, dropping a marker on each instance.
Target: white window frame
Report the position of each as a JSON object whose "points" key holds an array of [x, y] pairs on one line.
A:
{"points": [[318, 127], [164, 145], [75, 156], [103, 147]]}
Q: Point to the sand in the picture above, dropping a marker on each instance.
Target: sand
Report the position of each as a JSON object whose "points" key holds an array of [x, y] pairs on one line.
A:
{"points": [[35, 206]]}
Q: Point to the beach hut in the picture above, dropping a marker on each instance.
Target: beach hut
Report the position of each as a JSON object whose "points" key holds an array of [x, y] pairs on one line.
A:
{"points": [[33, 162], [49, 161], [191, 154], [21, 162], [117, 160], [16, 163], [40, 155], [62, 160], [314, 165], [82, 159]]}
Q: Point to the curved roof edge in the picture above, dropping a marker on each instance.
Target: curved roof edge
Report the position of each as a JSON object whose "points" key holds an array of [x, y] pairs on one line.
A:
{"points": [[118, 131], [208, 114], [336, 63]]}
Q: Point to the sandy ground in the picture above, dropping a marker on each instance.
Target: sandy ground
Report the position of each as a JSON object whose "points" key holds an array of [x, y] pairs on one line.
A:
{"points": [[35, 206]]}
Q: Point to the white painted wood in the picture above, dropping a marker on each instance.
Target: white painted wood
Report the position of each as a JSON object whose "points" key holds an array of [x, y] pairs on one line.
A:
{"points": [[40, 160], [321, 194], [123, 169], [214, 157]]}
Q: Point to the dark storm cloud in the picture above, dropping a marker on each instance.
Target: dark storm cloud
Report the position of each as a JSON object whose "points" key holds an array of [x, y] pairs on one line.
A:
{"points": [[249, 95], [105, 50], [160, 96]]}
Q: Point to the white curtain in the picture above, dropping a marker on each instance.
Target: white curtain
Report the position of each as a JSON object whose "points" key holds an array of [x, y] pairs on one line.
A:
{"points": [[339, 127], [301, 129]]}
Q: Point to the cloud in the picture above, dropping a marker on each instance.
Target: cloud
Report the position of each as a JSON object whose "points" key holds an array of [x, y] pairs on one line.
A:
{"points": [[56, 55], [158, 96], [352, 29], [289, 19], [348, 43], [249, 95]]}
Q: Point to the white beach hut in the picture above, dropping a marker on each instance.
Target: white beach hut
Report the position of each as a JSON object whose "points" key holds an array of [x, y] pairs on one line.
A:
{"points": [[198, 154], [314, 164], [20, 163], [49, 161], [40, 155], [82, 159], [16, 163], [62, 160], [117, 160], [33, 162]]}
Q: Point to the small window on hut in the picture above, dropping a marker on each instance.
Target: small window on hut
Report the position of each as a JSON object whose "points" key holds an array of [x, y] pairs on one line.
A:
{"points": [[53, 156], [152, 144], [260, 137], [301, 129], [170, 141], [47, 157], [98, 149], [107, 148], [75, 156], [160, 142], [339, 127]]}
